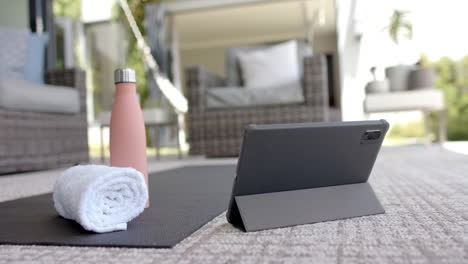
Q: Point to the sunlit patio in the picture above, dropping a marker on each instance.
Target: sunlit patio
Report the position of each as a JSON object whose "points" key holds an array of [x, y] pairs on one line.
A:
{"points": [[237, 131]]}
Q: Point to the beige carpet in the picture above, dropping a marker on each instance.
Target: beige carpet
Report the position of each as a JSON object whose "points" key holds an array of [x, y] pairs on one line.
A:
{"points": [[423, 189]]}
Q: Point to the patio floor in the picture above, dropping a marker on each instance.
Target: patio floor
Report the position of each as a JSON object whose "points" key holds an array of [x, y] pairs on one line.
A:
{"points": [[422, 188]]}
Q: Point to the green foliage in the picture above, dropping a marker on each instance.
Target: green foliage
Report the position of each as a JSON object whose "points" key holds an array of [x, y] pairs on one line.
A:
{"points": [[399, 26], [67, 8], [72, 9], [412, 129], [134, 55], [452, 78]]}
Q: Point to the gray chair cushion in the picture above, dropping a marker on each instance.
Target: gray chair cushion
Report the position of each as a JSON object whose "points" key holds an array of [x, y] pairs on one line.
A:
{"points": [[231, 62], [232, 66], [229, 97], [13, 52], [27, 96]]}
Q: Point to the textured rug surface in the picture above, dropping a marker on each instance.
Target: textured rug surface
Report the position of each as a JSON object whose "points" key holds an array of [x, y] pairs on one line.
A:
{"points": [[423, 189]]}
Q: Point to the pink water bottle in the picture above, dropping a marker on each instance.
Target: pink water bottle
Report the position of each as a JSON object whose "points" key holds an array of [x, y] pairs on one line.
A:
{"points": [[127, 128]]}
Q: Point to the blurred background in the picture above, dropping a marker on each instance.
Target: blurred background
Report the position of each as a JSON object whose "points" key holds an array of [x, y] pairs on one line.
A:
{"points": [[405, 61]]}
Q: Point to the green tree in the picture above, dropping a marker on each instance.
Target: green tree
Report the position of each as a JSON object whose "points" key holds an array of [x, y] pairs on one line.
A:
{"points": [[452, 78], [134, 55], [71, 9], [135, 58], [67, 8]]}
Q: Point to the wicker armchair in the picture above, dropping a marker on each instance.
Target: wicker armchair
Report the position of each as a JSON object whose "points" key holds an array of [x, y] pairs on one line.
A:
{"points": [[218, 132], [34, 141]]}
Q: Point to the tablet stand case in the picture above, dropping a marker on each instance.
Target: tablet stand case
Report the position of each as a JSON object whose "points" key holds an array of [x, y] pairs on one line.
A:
{"points": [[280, 209], [332, 187]]}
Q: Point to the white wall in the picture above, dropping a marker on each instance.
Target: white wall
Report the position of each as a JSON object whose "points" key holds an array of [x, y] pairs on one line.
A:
{"points": [[349, 48]]}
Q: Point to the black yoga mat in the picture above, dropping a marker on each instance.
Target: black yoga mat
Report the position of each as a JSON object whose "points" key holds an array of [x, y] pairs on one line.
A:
{"points": [[182, 201]]}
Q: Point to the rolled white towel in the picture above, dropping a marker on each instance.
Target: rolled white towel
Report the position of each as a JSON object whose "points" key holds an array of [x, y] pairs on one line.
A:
{"points": [[100, 198]]}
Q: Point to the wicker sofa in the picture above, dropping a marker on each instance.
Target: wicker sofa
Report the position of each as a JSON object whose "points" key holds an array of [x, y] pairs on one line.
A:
{"points": [[218, 132], [34, 140]]}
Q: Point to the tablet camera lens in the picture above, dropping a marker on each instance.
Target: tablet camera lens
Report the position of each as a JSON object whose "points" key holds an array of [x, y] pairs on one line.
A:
{"points": [[372, 135]]}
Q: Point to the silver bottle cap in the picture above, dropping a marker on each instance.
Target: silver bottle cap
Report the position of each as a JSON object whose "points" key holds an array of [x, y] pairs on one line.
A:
{"points": [[126, 75]]}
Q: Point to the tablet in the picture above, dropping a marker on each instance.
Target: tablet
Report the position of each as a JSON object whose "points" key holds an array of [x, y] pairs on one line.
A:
{"points": [[287, 157]]}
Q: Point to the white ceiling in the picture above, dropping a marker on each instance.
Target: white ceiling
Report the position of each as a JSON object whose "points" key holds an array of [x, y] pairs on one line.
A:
{"points": [[250, 21]]}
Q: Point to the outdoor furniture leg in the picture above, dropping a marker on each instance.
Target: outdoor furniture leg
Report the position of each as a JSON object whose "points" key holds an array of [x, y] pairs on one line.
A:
{"points": [[442, 127], [152, 138], [427, 127], [179, 151], [101, 128], [156, 141]]}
